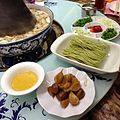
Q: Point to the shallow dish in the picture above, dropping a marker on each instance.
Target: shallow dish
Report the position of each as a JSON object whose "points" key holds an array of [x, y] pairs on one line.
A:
{"points": [[18, 68], [109, 65], [52, 105], [109, 23], [87, 26], [113, 6]]}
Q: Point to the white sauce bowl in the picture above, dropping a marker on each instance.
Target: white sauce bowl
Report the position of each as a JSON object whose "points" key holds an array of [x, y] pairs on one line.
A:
{"points": [[18, 68]]}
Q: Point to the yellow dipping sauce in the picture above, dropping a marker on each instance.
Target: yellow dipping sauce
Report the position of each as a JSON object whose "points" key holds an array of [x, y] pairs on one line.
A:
{"points": [[23, 81]]}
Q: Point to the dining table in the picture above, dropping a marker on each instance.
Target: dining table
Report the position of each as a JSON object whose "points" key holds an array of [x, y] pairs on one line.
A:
{"points": [[108, 107], [106, 104]]}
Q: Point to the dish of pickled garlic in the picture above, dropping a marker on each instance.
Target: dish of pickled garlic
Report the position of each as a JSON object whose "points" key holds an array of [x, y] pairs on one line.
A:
{"points": [[65, 90]]}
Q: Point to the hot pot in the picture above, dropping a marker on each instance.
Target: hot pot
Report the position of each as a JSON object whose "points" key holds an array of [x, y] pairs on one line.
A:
{"points": [[28, 44]]}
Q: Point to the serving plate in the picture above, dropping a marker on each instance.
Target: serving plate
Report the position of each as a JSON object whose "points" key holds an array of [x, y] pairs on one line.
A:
{"points": [[115, 6], [110, 64], [52, 105], [109, 23]]}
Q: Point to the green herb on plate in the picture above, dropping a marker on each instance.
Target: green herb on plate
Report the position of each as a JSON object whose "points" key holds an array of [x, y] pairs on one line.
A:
{"points": [[109, 33], [82, 22]]}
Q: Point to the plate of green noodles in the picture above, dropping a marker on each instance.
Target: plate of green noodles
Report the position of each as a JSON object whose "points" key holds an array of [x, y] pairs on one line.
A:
{"points": [[89, 53]]}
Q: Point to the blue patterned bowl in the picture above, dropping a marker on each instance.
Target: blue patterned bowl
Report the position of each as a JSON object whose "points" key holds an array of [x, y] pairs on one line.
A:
{"points": [[30, 43]]}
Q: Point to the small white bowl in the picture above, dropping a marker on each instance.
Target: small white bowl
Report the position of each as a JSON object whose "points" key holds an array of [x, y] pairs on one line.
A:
{"points": [[94, 34], [18, 68]]}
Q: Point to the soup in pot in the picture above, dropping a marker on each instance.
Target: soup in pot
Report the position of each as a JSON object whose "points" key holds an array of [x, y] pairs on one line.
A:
{"points": [[43, 21]]}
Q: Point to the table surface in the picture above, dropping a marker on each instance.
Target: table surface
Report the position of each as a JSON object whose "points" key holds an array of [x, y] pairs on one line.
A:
{"points": [[20, 107], [108, 107]]}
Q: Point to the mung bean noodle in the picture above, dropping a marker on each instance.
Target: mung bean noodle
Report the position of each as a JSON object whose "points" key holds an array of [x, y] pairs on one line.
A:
{"points": [[85, 51]]}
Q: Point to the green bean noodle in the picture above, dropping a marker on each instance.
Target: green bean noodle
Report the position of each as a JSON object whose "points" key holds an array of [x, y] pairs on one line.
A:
{"points": [[85, 51]]}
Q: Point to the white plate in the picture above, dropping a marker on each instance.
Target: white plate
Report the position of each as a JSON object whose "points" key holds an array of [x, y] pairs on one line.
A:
{"points": [[109, 23], [112, 6], [52, 105], [110, 65]]}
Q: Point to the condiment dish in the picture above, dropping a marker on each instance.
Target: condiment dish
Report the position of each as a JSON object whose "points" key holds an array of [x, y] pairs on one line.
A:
{"points": [[104, 22], [94, 28], [6, 80]]}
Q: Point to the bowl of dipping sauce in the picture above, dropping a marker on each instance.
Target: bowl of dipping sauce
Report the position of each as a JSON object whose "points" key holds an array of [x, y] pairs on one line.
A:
{"points": [[94, 28], [22, 78]]}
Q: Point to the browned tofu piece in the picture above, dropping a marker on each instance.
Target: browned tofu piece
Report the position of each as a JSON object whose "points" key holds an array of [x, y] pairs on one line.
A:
{"points": [[64, 103], [73, 99]]}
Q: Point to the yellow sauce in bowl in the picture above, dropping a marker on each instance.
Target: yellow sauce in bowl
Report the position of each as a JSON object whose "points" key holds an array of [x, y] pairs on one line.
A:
{"points": [[23, 81]]}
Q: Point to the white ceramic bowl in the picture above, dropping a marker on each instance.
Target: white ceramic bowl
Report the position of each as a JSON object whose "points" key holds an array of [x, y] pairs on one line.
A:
{"points": [[94, 34], [21, 67]]}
